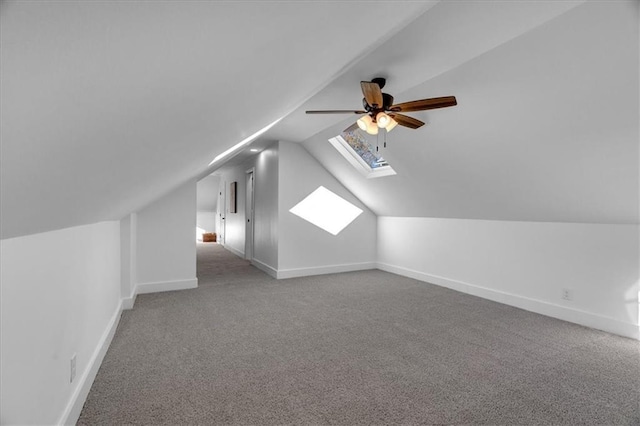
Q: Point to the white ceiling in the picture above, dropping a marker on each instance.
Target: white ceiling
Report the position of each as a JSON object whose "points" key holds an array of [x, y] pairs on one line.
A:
{"points": [[448, 35], [546, 127], [108, 105]]}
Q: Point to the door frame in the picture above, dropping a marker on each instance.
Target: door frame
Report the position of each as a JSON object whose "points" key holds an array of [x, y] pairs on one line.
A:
{"points": [[222, 205], [249, 212]]}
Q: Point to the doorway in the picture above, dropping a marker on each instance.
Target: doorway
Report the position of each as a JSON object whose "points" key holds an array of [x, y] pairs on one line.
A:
{"points": [[222, 211], [249, 215]]}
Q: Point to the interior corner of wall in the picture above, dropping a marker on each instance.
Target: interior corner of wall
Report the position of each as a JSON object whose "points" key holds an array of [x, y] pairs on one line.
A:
{"points": [[129, 302]]}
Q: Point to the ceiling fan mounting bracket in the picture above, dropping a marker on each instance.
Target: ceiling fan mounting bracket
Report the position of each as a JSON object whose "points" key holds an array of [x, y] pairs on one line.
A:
{"points": [[380, 81]]}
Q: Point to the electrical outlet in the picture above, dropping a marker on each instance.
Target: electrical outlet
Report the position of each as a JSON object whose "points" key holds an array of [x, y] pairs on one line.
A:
{"points": [[566, 294], [73, 368]]}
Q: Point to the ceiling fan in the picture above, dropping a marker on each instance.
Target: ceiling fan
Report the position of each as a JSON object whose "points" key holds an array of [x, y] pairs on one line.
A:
{"points": [[380, 111]]}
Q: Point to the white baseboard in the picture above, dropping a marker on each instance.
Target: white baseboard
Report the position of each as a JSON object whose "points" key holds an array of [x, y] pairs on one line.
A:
{"points": [[317, 270], [128, 302], [321, 270], [265, 268], [74, 407], [234, 251], [157, 287], [545, 308]]}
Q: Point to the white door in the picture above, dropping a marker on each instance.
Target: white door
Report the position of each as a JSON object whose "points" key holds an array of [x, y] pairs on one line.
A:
{"points": [[222, 203], [249, 216]]}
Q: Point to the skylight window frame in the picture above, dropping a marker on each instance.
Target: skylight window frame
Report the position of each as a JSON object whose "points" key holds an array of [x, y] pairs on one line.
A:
{"points": [[343, 147]]}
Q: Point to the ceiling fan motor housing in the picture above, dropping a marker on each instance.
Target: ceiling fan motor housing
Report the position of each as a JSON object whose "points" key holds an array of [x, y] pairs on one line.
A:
{"points": [[387, 101]]}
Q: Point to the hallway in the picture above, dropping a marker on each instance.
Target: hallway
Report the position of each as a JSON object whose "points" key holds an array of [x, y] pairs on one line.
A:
{"points": [[218, 267]]}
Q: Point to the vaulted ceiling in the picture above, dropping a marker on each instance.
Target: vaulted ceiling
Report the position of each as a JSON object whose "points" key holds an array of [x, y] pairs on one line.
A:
{"points": [[108, 105], [546, 126]]}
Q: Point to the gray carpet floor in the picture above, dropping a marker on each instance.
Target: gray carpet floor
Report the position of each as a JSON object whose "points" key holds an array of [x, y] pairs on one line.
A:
{"points": [[355, 348]]}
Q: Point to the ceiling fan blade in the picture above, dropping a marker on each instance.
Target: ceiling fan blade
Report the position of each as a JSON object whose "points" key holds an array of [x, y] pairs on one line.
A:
{"points": [[336, 111], [372, 93], [406, 121], [424, 104], [351, 128]]}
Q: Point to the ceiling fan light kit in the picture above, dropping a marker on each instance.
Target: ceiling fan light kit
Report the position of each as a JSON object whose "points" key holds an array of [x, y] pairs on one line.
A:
{"points": [[367, 124], [392, 125], [383, 120], [364, 122], [381, 113]]}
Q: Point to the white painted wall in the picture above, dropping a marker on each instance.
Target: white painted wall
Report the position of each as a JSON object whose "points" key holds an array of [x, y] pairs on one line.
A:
{"points": [[284, 244], [234, 222], [206, 221], [525, 264], [166, 249], [60, 296], [128, 258], [305, 249], [266, 193], [207, 193]]}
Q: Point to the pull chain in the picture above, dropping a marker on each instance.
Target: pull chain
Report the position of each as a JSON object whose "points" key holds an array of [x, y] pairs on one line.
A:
{"points": [[385, 138], [377, 138]]}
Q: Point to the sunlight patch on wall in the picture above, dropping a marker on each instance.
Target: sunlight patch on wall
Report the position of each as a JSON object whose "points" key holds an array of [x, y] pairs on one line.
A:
{"points": [[326, 210]]}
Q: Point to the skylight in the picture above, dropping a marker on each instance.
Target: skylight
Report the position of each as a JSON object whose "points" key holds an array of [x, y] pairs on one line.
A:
{"points": [[326, 210], [356, 150]]}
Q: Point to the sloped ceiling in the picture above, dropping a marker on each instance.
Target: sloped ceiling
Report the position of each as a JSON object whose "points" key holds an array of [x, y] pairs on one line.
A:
{"points": [[108, 105], [207, 194], [546, 128]]}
